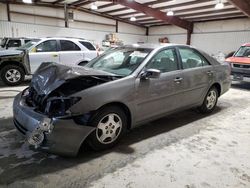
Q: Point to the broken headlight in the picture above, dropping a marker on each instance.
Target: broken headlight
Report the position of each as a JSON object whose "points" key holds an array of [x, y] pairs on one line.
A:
{"points": [[58, 106]]}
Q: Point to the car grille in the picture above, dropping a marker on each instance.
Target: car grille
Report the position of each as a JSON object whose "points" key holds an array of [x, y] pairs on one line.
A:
{"points": [[244, 66]]}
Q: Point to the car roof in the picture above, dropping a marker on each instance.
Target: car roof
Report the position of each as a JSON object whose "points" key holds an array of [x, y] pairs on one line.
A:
{"points": [[246, 44], [64, 38], [154, 46]]}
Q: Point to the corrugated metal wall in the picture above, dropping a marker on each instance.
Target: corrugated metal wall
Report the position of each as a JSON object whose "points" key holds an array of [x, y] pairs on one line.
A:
{"points": [[213, 37], [216, 42], [22, 25], [13, 29]]}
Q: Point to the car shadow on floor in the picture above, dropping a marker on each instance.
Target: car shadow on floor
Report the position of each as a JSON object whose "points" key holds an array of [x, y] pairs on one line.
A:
{"points": [[241, 85], [25, 83], [19, 162]]}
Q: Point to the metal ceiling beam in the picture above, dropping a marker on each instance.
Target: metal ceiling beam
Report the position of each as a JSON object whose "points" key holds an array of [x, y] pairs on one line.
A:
{"points": [[106, 6], [126, 14], [216, 16], [58, 1], [156, 14], [195, 14], [77, 2], [86, 2], [179, 11], [243, 5], [183, 4], [156, 2]]}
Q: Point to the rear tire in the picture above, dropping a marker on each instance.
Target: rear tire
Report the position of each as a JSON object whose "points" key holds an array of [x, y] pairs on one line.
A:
{"points": [[12, 75], [210, 101], [111, 124]]}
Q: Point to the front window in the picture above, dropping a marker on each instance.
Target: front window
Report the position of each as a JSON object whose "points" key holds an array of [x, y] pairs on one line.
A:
{"points": [[47, 46], [27, 45], [165, 61], [244, 51], [122, 61], [3, 42]]}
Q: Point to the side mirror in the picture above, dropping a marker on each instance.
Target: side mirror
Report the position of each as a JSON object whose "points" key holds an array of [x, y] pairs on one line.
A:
{"points": [[151, 73]]}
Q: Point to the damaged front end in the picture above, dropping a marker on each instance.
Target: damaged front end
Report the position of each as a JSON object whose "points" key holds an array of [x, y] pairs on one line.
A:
{"points": [[42, 111]]}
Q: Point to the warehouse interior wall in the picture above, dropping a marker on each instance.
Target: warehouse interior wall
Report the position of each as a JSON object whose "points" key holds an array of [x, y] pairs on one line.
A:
{"points": [[213, 37], [29, 21]]}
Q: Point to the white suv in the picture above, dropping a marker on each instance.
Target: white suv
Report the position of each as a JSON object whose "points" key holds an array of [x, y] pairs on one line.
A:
{"points": [[15, 64], [68, 51]]}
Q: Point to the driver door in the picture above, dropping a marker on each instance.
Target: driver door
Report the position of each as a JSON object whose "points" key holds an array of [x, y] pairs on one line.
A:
{"points": [[157, 96], [46, 51]]}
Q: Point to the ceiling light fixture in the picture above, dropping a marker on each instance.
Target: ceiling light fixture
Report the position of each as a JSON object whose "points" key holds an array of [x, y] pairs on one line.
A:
{"points": [[93, 6], [219, 5], [170, 13], [133, 19], [27, 1]]}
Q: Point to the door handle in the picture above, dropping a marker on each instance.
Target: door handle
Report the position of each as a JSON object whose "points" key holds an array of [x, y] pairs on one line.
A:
{"points": [[178, 80], [210, 73], [55, 55]]}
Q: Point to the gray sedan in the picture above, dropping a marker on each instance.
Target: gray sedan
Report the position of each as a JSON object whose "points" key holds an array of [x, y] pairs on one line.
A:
{"points": [[65, 107]]}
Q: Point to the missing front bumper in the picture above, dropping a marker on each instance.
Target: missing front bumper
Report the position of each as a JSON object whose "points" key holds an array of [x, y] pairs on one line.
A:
{"points": [[59, 136]]}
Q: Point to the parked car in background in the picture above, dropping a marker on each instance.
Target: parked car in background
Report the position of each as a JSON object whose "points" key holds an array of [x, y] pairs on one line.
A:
{"points": [[240, 63], [13, 43], [121, 89], [15, 64]]}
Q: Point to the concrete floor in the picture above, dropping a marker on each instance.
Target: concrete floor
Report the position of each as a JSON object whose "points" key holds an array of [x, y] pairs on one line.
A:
{"points": [[186, 150]]}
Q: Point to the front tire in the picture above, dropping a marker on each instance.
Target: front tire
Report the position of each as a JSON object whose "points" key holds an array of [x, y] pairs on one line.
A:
{"points": [[12, 75], [210, 101], [111, 124]]}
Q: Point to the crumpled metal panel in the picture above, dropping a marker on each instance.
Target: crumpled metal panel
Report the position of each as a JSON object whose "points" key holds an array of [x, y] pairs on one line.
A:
{"points": [[50, 76]]}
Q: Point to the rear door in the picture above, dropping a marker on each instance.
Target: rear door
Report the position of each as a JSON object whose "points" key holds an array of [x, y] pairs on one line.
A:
{"points": [[70, 53], [197, 76], [46, 51]]}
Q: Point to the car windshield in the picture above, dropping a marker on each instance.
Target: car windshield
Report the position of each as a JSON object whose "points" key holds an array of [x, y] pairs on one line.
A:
{"points": [[244, 51], [120, 61], [27, 45]]}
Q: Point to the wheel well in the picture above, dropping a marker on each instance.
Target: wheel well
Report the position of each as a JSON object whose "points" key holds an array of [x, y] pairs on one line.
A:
{"points": [[218, 87], [85, 62], [125, 108], [3, 64]]}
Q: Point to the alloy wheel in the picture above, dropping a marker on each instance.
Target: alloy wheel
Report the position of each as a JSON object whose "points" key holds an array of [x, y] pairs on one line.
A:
{"points": [[211, 99], [109, 128], [13, 75]]}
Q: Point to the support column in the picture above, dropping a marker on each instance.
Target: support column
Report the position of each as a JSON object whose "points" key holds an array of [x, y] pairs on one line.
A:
{"points": [[8, 11], [66, 17], [116, 26], [189, 34]]}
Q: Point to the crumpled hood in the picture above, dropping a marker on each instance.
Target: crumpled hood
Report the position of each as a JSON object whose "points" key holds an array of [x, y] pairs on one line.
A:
{"points": [[10, 52], [50, 76]]}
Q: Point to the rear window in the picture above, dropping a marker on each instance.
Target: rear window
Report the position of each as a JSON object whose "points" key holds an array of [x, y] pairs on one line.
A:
{"points": [[88, 45], [14, 43], [67, 45]]}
